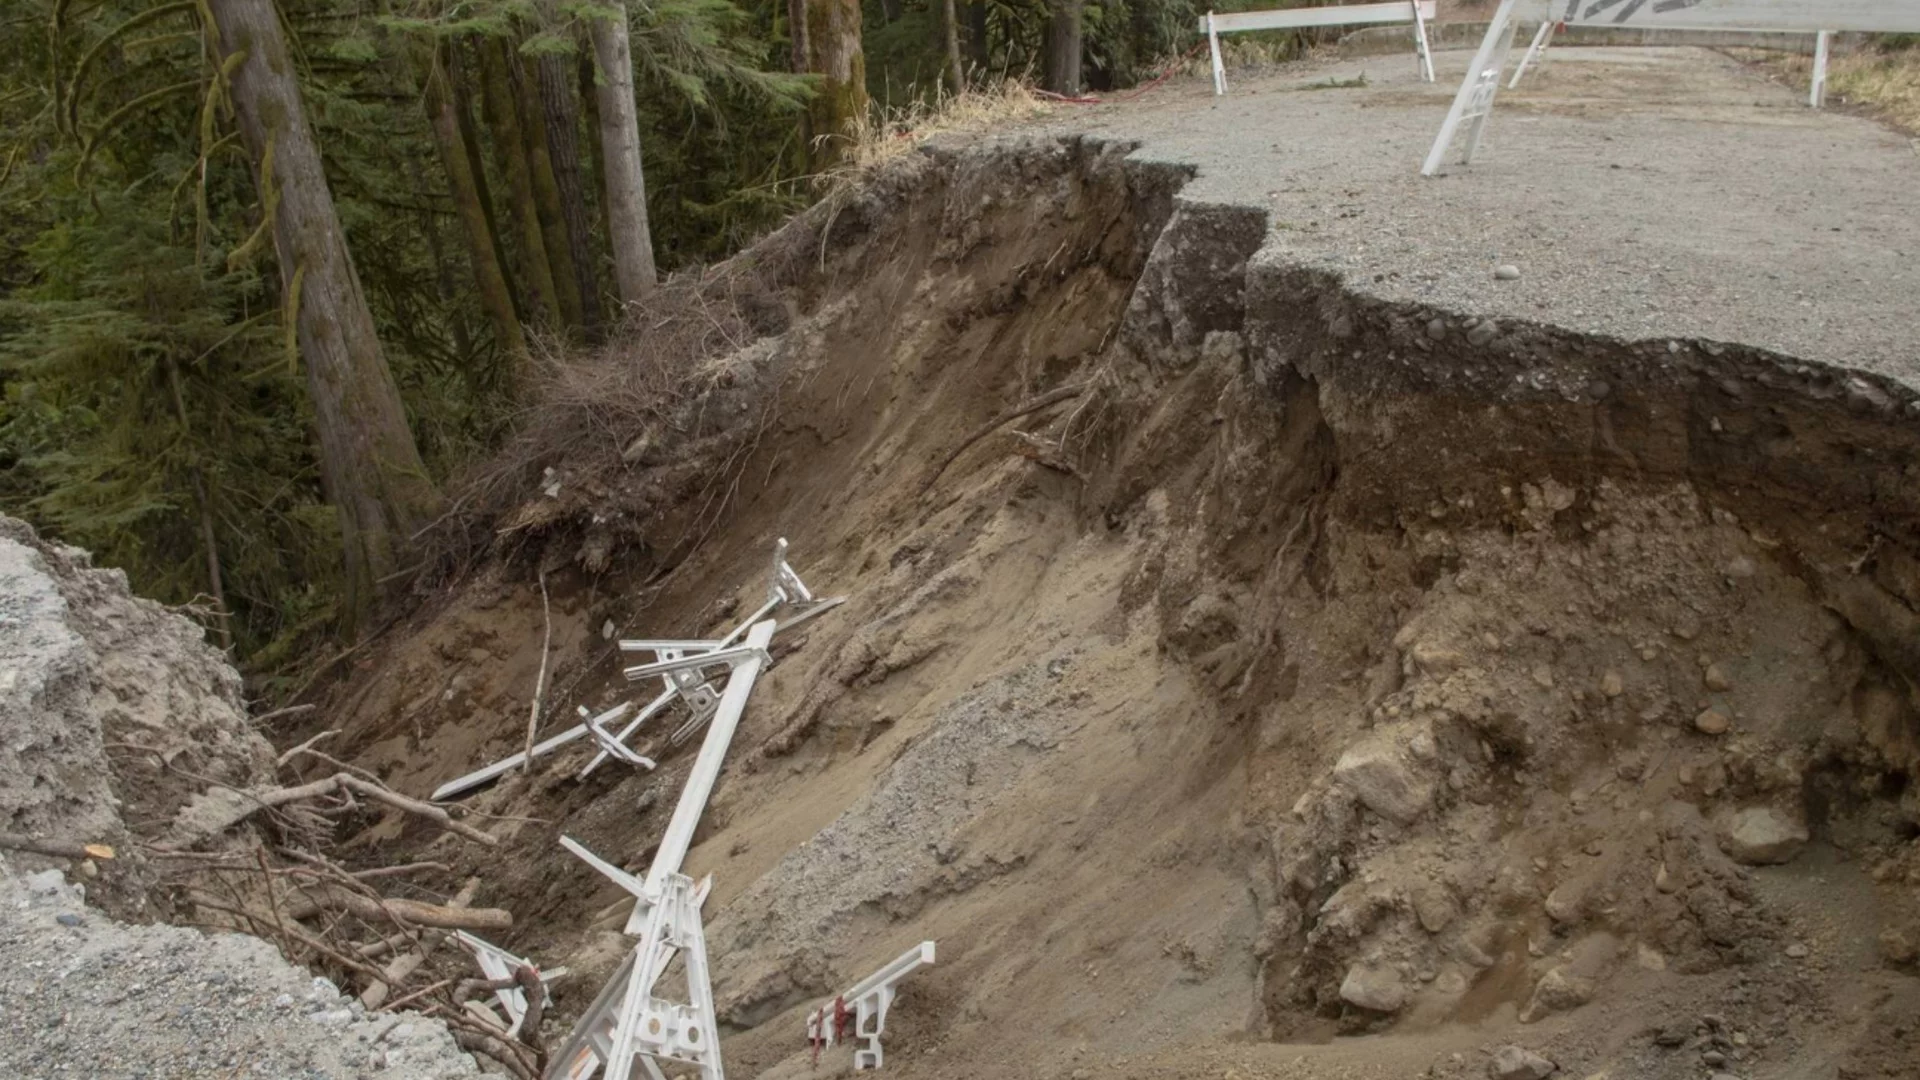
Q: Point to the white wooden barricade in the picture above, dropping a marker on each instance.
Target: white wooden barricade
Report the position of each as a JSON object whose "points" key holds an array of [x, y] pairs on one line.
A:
{"points": [[1416, 12], [633, 1023], [869, 999], [685, 682], [1474, 101]]}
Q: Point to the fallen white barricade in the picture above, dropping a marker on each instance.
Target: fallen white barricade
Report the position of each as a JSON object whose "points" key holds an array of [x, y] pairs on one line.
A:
{"points": [[865, 1005], [685, 682]]}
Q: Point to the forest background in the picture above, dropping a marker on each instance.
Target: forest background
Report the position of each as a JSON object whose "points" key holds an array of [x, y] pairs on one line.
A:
{"points": [[201, 386]]}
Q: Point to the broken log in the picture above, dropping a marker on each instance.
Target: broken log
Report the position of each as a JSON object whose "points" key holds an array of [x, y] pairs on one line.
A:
{"points": [[208, 816], [406, 963], [59, 849], [315, 899]]}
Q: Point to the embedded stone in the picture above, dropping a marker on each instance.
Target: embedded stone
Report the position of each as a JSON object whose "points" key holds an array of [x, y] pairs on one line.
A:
{"points": [[1763, 836], [1712, 722], [1374, 989], [1380, 776], [1557, 991], [1519, 1063]]}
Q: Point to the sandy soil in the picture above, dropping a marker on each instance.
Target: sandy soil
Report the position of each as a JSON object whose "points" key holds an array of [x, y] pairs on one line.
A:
{"points": [[1335, 686], [1642, 193]]}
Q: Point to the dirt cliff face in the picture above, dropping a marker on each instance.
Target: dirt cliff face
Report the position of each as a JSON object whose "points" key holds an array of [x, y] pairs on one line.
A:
{"points": [[1314, 686]]}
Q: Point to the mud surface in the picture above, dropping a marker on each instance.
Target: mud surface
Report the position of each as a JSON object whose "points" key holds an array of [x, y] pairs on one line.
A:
{"points": [[1641, 193], [1336, 685]]}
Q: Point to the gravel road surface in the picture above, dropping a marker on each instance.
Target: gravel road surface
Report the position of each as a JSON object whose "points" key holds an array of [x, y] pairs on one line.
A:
{"points": [[1640, 193], [83, 996]]}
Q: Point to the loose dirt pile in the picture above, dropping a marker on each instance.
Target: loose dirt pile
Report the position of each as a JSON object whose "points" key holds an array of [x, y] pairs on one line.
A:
{"points": [[1316, 686]]}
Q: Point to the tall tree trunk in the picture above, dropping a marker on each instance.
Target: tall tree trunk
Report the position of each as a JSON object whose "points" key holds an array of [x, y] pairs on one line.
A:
{"points": [[562, 123], [368, 461], [546, 192], [457, 327], [979, 49], [620, 158], [840, 108], [489, 277], [797, 33], [889, 12], [1063, 47], [510, 152], [587, 73], [950, 24]]}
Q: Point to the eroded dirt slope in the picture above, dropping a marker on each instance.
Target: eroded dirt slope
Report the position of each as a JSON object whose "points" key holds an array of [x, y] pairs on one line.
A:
{"points": [[1330, 687]]}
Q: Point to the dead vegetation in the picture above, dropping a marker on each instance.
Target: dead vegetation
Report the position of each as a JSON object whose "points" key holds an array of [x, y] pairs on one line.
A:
{"points": [[1883, 82], [267, 860], [613, 436]]}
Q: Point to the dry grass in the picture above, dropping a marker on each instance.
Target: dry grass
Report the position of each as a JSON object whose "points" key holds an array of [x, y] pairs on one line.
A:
{"points": [[621, 430], [1885, 84], [878, 142]]}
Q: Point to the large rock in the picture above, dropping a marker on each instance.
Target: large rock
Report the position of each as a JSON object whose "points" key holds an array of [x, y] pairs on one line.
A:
{"points": [[83, 663], [53, 774], [1557, 991], [1762, 836], [1375, 989], [1383, 776], [1519, 1063]]}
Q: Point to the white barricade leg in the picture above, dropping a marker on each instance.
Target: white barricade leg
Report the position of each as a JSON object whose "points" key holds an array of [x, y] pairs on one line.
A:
{"points": [[1219, 70], [1423, 53], [1474, 102], [1817, 96], [1533, 54]]}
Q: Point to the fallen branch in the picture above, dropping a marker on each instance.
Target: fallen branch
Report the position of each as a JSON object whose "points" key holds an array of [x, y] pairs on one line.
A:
{"points": [[396, 871], [59, 849], [406, 963], [540, 681], [470, 1036], [293, 933], [318, 898], [372, 790], [1051, 397], [535, 992], [295, 752], [401, 1003], [290, 710]]}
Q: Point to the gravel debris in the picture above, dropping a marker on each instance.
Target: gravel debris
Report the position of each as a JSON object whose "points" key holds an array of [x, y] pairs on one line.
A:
{"points": [[84, 996]]}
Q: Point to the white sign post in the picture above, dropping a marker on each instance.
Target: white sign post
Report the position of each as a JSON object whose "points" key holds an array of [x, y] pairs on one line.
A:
{"points": [[1474, 102], [1817, 96]]}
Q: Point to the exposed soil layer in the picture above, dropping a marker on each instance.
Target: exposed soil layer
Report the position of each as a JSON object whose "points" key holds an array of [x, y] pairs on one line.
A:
{"points": [[1331, 687]]}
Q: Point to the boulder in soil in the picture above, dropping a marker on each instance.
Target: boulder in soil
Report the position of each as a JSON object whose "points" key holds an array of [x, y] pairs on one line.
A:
{"points": [[1518, 1063], [1374, 989], [1762, 836], [1380, 774]]}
